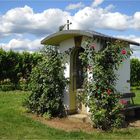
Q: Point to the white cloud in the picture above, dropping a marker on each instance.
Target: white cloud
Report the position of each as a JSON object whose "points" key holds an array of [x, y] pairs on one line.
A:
{"points": [[25, 20], [115, 21], [73, 6], [22, 45], [136, 20], [93, 18], [130, 37], [96, 3]]}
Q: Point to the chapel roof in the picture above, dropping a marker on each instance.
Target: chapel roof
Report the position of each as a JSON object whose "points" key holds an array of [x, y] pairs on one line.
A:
{"points": [[56, 38]]}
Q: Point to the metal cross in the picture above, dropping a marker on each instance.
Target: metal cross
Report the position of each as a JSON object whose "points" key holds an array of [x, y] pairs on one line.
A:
{"points": [[68, 24]]}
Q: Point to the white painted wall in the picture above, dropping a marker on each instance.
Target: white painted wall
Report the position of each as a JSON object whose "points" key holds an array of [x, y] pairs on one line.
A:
{"points": [[64, 46], [123, 85]]}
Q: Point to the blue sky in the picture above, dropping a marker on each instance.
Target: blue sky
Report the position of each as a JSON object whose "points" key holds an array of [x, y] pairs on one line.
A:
{"points": [[23, 23]]}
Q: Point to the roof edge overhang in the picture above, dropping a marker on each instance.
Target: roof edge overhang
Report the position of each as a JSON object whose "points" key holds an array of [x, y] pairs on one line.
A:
{"points": [[56, 38]]}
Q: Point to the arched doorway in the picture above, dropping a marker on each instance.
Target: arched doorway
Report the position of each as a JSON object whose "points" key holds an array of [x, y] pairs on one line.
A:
{"points": [[76, 76]]}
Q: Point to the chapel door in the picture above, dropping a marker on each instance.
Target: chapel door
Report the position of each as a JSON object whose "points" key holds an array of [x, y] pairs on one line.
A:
{"points": [[76, 77], [79, 69]]}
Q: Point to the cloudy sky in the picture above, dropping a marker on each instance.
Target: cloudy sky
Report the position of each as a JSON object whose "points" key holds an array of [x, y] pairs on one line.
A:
{"points": [[23, 23]]}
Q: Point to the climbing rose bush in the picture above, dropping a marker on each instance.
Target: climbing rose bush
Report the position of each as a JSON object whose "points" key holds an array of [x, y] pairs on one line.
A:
{"points": [[99, 93]]}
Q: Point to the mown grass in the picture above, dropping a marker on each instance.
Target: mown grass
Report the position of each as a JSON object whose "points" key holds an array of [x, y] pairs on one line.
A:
{"points": [[15, 125], [136, 90]]}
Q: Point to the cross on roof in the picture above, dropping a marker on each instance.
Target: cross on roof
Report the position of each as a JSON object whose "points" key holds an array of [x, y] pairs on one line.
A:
{"points": [[63, 26], [68, 24]]}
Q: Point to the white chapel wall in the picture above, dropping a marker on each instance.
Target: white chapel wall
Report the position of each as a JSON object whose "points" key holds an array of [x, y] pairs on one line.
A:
{"points": [[123, 82], [64, 46]]}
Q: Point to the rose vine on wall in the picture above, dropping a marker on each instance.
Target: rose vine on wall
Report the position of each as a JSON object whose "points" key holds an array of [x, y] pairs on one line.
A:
{"points": [[99, 93]]}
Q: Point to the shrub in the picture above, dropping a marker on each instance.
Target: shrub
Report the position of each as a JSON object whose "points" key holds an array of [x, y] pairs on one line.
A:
{"points": [[47, 85], [99, 93], [7, 87]]}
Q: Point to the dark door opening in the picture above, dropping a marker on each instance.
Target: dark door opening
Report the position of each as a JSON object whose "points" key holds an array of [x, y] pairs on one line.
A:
{"points": [[79, 69]]}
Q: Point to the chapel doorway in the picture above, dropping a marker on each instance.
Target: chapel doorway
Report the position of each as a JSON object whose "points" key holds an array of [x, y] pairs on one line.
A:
{"points": [[76, 76], [79, 69]]}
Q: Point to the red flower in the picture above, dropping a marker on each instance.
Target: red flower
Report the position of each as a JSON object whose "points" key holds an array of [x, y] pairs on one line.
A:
{"points": [[92, 46], [108, 91], [123, 102], [123, 51]]}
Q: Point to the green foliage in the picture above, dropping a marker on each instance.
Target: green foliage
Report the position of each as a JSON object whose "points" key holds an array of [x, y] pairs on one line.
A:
{"points": [[47, 115], [9, 66], [47, 84], [16, 67], [135, 72], [2, 64], [8, 87], [29, 61], [100, 94]]}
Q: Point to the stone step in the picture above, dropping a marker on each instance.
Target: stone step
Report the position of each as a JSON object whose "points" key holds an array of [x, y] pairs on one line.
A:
{"points": [[79, 118]]}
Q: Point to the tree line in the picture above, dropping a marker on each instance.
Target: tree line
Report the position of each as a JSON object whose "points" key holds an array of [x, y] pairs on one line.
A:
{"points": [[15, 67], [135, 72]]}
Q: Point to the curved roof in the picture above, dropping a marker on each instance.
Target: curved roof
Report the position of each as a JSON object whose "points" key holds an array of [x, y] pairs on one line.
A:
{"points": [[56, 38]]}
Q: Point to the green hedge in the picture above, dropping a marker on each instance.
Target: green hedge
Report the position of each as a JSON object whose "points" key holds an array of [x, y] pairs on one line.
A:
{"points": [[7, 87], [16, 67]]}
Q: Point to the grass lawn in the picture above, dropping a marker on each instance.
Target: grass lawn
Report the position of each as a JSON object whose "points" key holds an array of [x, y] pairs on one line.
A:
{"points": [[137, 92], [15, 125]]}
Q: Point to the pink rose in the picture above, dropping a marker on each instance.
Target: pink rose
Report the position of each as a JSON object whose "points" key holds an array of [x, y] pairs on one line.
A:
{"points": [[108, 91], [123, 51], [93, 46], [123, 102]]}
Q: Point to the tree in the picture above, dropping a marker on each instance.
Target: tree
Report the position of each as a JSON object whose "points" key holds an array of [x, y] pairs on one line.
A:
{"points": [[29, 60], [135, 72], [15, 66], [2, 65]]}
